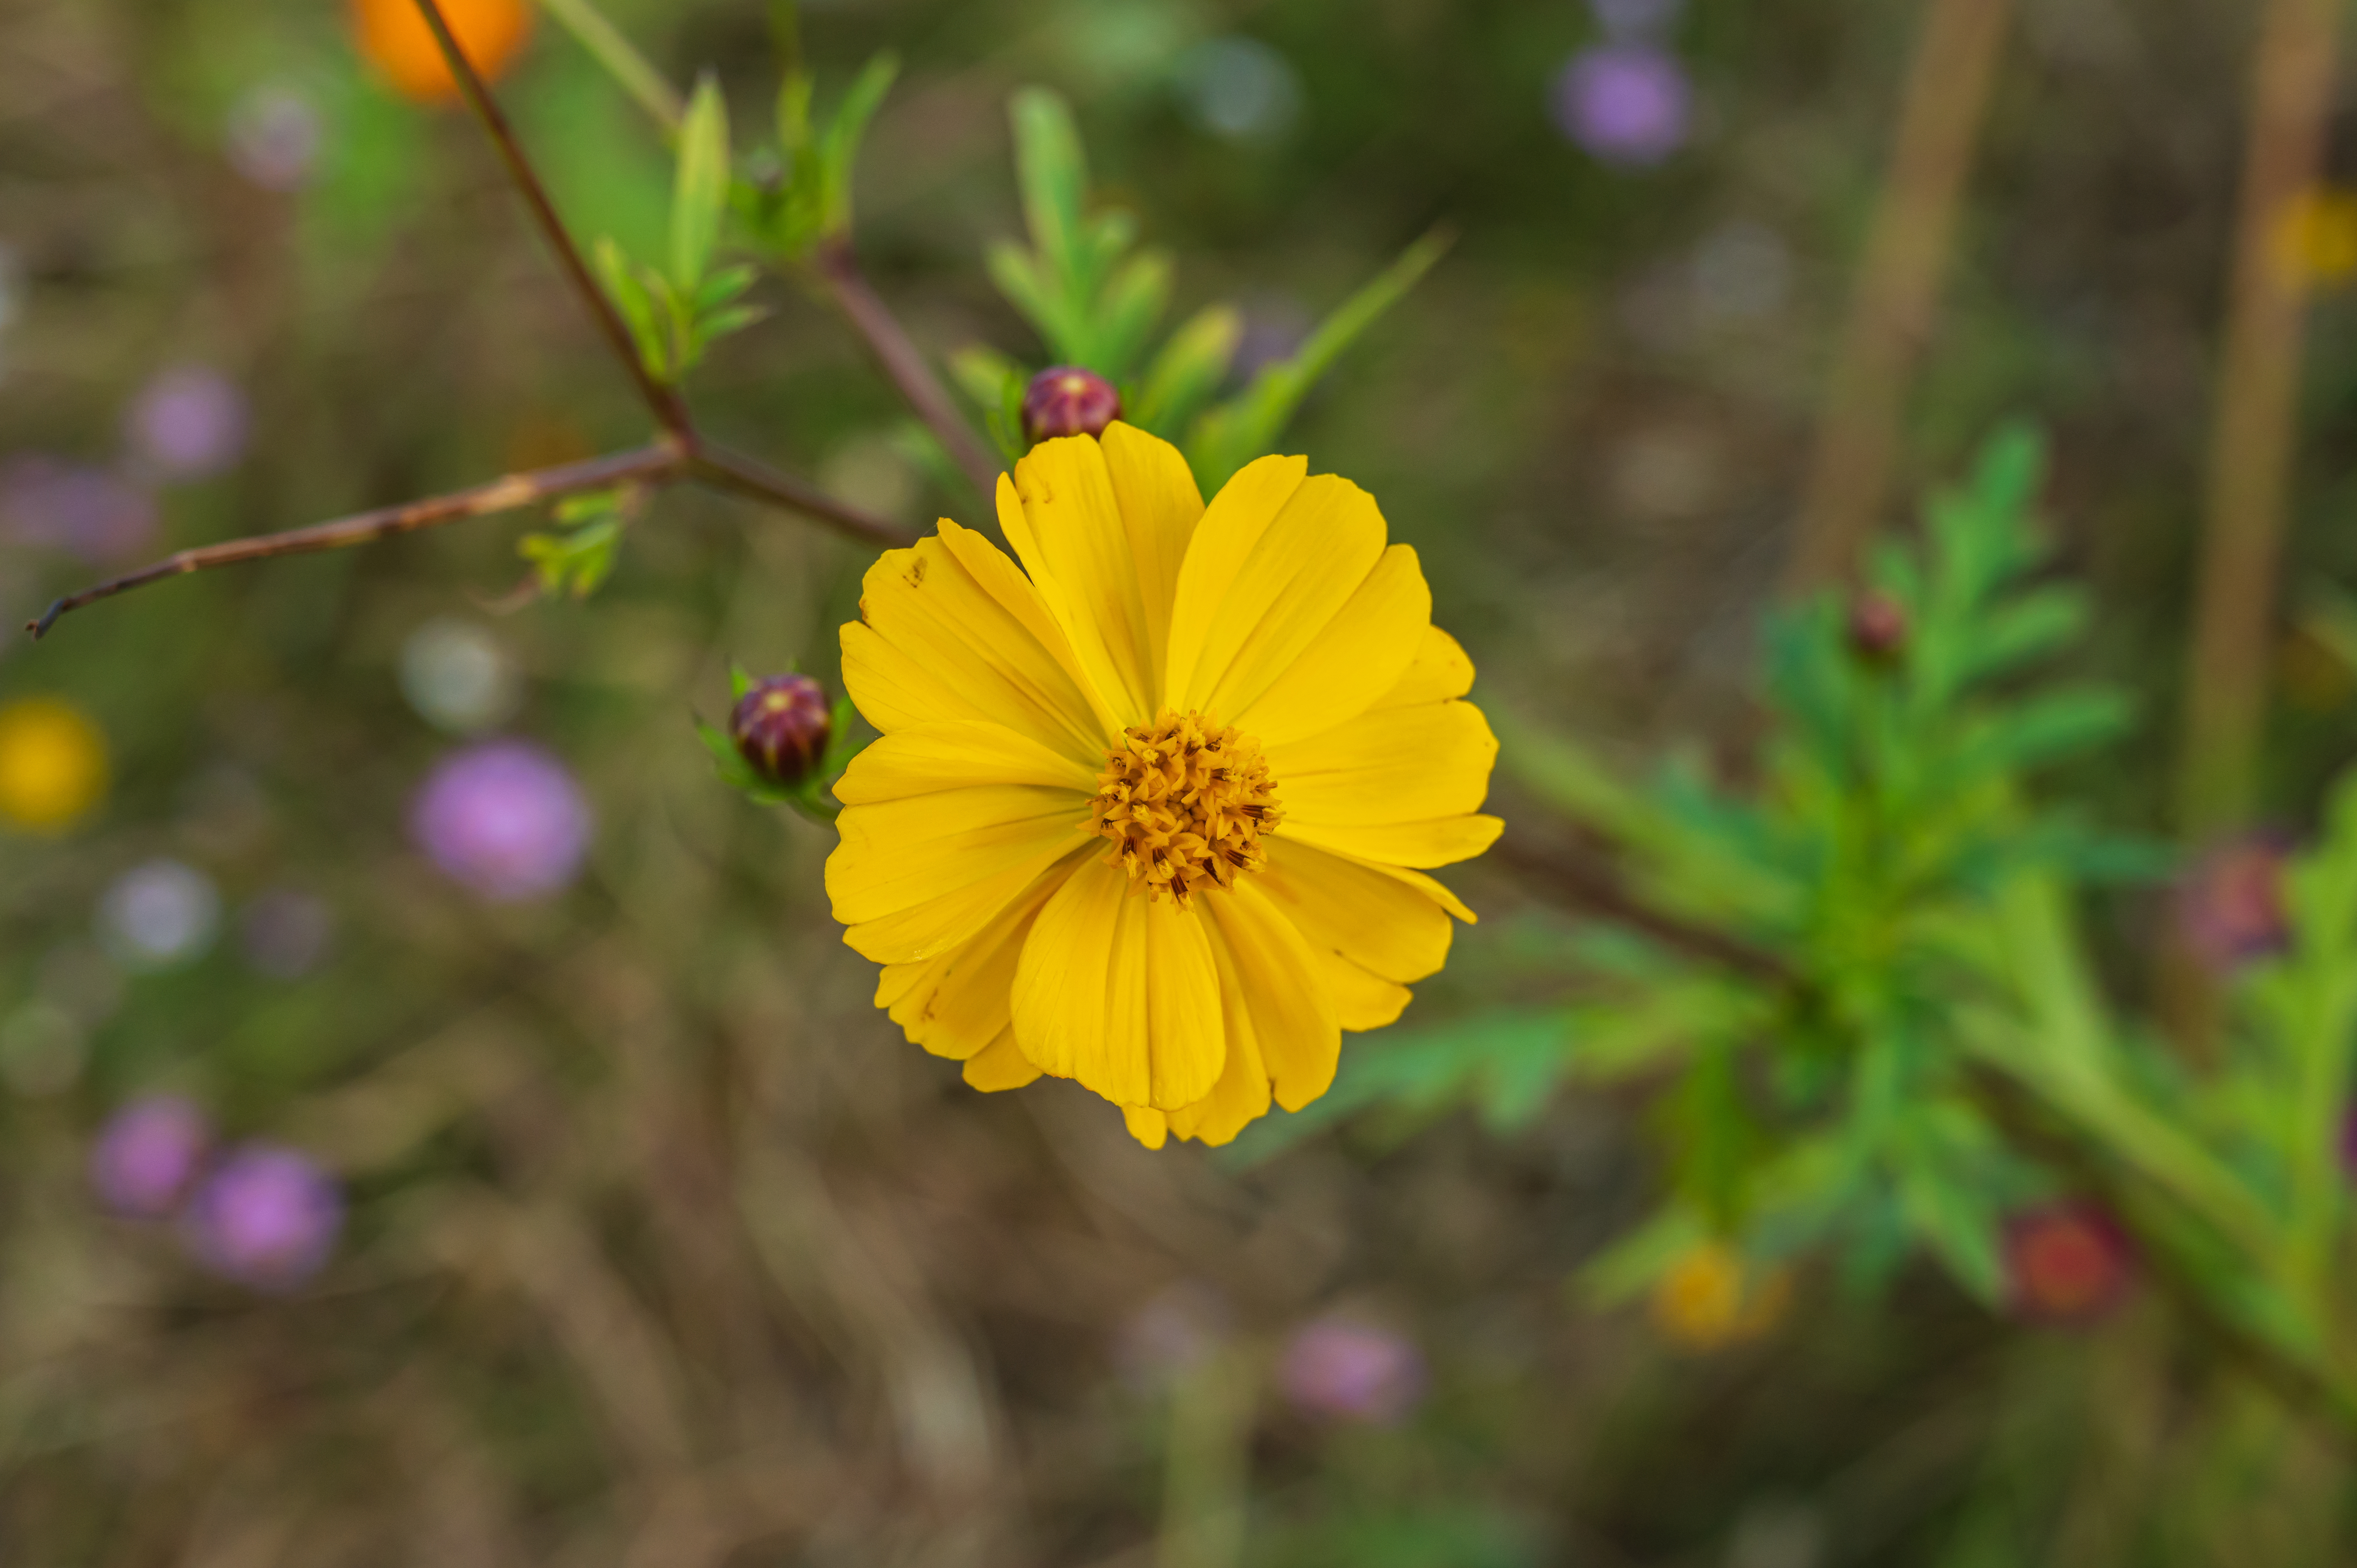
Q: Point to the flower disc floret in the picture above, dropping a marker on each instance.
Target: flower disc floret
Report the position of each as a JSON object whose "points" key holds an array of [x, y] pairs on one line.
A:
{"points": [[1185, 801]]}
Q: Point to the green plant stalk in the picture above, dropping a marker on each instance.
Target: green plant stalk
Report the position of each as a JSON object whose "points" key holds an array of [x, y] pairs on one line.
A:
{"points": [[630, 69], [1206, 1470]]}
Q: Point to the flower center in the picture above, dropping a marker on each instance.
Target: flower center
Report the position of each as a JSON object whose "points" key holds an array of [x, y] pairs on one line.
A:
{"points": [[1184, 801]]}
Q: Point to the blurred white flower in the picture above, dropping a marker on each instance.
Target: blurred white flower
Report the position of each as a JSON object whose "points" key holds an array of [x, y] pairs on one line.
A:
{"points": [[273, 137], [159, 915], [1240, 88], [458, 678]]}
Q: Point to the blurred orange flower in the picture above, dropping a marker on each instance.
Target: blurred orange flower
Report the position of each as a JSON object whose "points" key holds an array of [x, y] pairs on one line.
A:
{"points": [[1708, 1299], [52, 765], [394, 38]]}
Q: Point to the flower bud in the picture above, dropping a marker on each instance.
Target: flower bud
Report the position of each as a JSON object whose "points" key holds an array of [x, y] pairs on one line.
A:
{"points": [[1067, 400], [2070, 1263], [780, 728], [1878, 626]]}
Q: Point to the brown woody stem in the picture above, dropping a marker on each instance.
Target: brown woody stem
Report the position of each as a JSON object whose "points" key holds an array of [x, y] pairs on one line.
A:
{"points": [[905, 364], [661, 400]]}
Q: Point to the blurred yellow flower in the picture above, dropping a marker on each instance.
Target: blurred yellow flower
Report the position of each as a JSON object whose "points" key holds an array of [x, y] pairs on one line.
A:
{"points": [[52, 764], [394, 38], [1708, 1299], [1152, 809], [2321, 235]]}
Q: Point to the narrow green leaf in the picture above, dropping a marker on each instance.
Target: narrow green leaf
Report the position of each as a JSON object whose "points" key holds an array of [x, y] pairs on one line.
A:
{"points": [[839, 148], [1053, 174], [1188, 371], [1131, 304], [700, 190]]}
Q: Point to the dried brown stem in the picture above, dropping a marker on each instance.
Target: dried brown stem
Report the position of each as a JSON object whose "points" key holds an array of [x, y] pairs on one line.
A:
{"points": [[905, 364], [663, 463], [1899, 283], [662, 401]]}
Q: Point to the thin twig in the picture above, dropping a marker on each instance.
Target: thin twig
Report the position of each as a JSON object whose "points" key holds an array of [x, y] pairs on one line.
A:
{"points": [[905, 364], [1899, 283], [646, 465], [663, 463], [662, 401]]}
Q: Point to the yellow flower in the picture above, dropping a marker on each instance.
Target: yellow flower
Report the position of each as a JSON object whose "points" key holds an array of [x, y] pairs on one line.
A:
{"points": [[2319, 235], [1152, 811], [1708, 1299], [52, 764]]}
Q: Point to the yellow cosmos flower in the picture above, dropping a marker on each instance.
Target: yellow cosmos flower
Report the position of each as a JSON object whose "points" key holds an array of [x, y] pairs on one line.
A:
{"points": [[52, 764], [1708, 1299], [1152, 809]]}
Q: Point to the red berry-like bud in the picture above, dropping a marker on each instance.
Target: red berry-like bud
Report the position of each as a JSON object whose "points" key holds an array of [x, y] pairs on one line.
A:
{"points": [[2069, 1263], [780, 726], [1878, 626], [1067, 400]]}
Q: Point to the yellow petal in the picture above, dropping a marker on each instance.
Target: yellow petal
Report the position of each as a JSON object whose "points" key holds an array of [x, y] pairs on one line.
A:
{"points": [[952, 754], [1443, 840], [949, 630], [1387, 926], [1000, 1066], [1101, 540], [956, 1002], [1240, 1097], [1145, 1124], [1355, 659], [913, 877], [1120, 992], [1439, 671], [1304, 567], [1159, 509], [1280, 986], [1231, 526], [1363, 999], [1400, 764]]}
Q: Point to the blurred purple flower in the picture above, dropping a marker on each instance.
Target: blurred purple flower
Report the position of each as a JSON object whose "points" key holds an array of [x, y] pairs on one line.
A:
{"points": [[57, 505], [273, 137], [187, 422], [504, 818], [1345, 1369], [2230, 907], [265, 1216], [284, 933], [1173, 1334], [1626, 103], [146, 1154]]}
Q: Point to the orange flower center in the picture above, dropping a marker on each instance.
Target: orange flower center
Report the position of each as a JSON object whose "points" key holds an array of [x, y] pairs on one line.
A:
{"points": [[1185, 803]]}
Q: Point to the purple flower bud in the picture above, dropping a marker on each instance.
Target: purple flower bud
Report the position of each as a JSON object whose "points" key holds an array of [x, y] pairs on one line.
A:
{"points": [[188, 422], [265, 1216], [1626, 103], [2230, 907], [1067, 400], [2069, 1263], [146, 1154], [505, 819], [1349, 1370], [86, 511], [780, 726], [1878, 626]]}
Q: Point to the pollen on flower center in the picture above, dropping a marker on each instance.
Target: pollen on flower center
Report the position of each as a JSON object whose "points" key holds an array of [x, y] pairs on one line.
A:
{"points": [[1185, 803]]}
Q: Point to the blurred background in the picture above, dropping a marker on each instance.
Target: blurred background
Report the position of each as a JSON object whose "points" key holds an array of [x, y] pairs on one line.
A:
{"points": [[439, 1122]]}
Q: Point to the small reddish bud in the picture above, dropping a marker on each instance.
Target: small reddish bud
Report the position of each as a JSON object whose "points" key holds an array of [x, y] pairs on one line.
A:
{"points": [[1878, 626], [780, 728], [2230, 907], [2069, 1263], [1067, 400]]}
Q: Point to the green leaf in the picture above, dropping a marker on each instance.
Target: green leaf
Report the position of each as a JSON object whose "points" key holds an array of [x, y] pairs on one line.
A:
{"points": [[839, 148], [699, 191], [1053, 176], [576, 563], [1228, 436], [1188, 369], [1131, 305], [625, 287]]}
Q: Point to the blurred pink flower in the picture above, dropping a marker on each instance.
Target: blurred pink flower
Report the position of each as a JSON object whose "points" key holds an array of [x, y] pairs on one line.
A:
{"points": [[505, 818], [2069, 1263], [1173, 1334], [1628, 104], [87, 511], [1345, 1369], [266, 1217], [2230, 906], [188, 423], [147, 1154]]}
